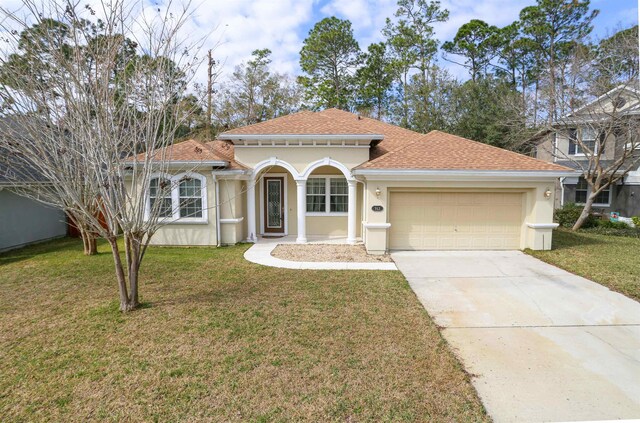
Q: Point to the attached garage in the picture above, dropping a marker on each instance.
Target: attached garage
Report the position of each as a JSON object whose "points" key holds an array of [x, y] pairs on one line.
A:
{"points": [[456, 220]]}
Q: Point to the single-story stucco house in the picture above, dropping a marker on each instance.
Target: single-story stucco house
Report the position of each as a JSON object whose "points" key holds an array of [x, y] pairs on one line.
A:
{"points": [[334, 174]]}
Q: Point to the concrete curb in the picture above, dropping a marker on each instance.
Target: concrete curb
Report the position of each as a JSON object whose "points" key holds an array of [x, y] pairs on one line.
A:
{"points": [[260, 253]]}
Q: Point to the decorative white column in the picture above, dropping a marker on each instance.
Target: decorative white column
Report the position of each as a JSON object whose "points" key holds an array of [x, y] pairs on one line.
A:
{"points": [[302, 211], [251, 211], [351, 219]]}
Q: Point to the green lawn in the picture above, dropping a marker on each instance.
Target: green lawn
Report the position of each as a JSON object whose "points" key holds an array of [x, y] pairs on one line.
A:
{"points": [[613, 261], [219, 339]]}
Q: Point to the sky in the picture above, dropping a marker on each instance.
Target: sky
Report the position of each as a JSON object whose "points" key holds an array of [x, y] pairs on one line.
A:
{"points": [[240, 26], [234, 28]]}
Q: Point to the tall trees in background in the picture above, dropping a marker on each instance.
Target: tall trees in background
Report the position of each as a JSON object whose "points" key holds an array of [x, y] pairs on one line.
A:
{"points": [[330, 57], [255, 93], [412, 40], [554, 29]]}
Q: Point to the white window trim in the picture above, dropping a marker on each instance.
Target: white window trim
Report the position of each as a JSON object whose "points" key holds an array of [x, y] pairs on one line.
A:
{"points": [[596, 144], [327, 194], [597, 204], [175, 199]]}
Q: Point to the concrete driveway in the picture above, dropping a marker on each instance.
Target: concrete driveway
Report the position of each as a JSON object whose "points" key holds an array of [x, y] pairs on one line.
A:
{"points": [[542, 343]]}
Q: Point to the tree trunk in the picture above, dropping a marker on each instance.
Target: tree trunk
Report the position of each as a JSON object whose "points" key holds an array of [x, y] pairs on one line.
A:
{"points": [[128, 294], [585, 212], [89, 242]]}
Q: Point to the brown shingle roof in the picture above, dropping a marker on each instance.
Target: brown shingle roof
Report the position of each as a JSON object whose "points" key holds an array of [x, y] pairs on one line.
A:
{"points": [[441, 151], [308, 123], [196, 151]]}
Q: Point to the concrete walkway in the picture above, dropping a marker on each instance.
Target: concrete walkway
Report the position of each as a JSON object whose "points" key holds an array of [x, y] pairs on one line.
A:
{"points": [[260, 253], [543, 344]]}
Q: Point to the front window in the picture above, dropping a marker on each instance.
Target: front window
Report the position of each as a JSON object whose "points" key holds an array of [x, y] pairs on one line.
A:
{"points": [[339, 199], [190, 198], [178, 198], [160, 196], [327, 195], [316, 195], [582, 192]]}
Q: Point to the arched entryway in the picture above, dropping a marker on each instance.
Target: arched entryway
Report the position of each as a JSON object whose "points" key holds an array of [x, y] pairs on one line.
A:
{"points": [[270, 194]]}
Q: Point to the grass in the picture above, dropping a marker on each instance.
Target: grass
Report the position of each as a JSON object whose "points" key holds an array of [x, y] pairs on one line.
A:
{"points": [[219, 339], [609, 260]]}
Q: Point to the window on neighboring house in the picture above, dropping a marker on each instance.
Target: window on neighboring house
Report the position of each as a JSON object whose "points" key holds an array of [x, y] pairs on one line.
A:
{"points": [[582, 192], [327, 195], [160, 196], [180, 197], [588, 138], [190, 198]]}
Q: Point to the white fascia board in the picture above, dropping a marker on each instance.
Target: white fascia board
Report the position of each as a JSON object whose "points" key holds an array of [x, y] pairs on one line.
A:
{"points": [[304, 137], [176, 163], [417, 174]]}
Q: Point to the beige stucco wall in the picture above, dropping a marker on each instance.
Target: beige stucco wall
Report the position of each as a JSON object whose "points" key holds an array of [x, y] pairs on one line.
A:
{"points": [[232, 214], [301, 157], [537, 208]]}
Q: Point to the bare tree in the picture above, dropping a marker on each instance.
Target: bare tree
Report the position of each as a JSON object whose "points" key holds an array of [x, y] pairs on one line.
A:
{"points": [[600, 133], [94, 119]]}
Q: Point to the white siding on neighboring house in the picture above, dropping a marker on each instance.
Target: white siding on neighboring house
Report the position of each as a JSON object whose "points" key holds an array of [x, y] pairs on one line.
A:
{"points": [[24, 221]]}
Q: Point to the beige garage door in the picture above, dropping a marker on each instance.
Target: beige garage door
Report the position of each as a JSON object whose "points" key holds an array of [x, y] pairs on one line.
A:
{"points": [[455, 221]]}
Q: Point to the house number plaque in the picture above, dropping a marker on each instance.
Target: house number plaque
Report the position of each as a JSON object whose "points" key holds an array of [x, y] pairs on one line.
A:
{"points": [[377, 208]]}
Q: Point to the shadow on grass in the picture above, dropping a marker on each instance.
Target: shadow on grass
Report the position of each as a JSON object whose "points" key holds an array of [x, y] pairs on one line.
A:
{"points": [[46, 248], [565, 238]]}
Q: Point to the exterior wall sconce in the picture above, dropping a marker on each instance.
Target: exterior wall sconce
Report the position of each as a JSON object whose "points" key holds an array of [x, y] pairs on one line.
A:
{"points": [[378, 192], [547, 193]]}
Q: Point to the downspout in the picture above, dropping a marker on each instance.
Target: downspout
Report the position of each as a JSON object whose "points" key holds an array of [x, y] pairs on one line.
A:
{"points": [[216, 183], [562, 191], [363, 212]]}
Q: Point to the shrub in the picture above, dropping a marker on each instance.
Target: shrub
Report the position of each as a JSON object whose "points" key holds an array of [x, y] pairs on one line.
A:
{"points": [[569, 214], [636, 221], [612, 225]]}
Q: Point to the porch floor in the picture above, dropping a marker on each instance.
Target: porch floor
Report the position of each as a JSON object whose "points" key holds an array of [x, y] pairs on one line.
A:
{"points": [[260, 253]]}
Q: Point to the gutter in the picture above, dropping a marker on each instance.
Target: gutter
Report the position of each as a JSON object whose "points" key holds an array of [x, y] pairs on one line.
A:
{"points": [[170, 163], [216, 184], [462, 174], [306, 137], [562, 192]]}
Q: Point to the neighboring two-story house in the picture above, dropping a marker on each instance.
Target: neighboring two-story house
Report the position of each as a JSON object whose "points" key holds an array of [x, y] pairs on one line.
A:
{"points": [[334, 174], [559, 146]]}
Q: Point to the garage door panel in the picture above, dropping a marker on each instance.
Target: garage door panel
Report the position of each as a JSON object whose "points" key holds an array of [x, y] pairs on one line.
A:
{"points": [[455, 220]]}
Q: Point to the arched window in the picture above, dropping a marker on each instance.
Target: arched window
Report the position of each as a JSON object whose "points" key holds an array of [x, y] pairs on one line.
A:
{"points": [[181, 198], [160, 197]]}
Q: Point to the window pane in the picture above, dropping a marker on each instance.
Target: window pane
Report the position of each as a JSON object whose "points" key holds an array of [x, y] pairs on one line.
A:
{"points": [[191, 207], [582, 184], [164, 206], [190, 188], [581, 196], [160, 196], [339, 204], [316, 186], [339, 186], [602, 197], [588, 134], [316, 203]]}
